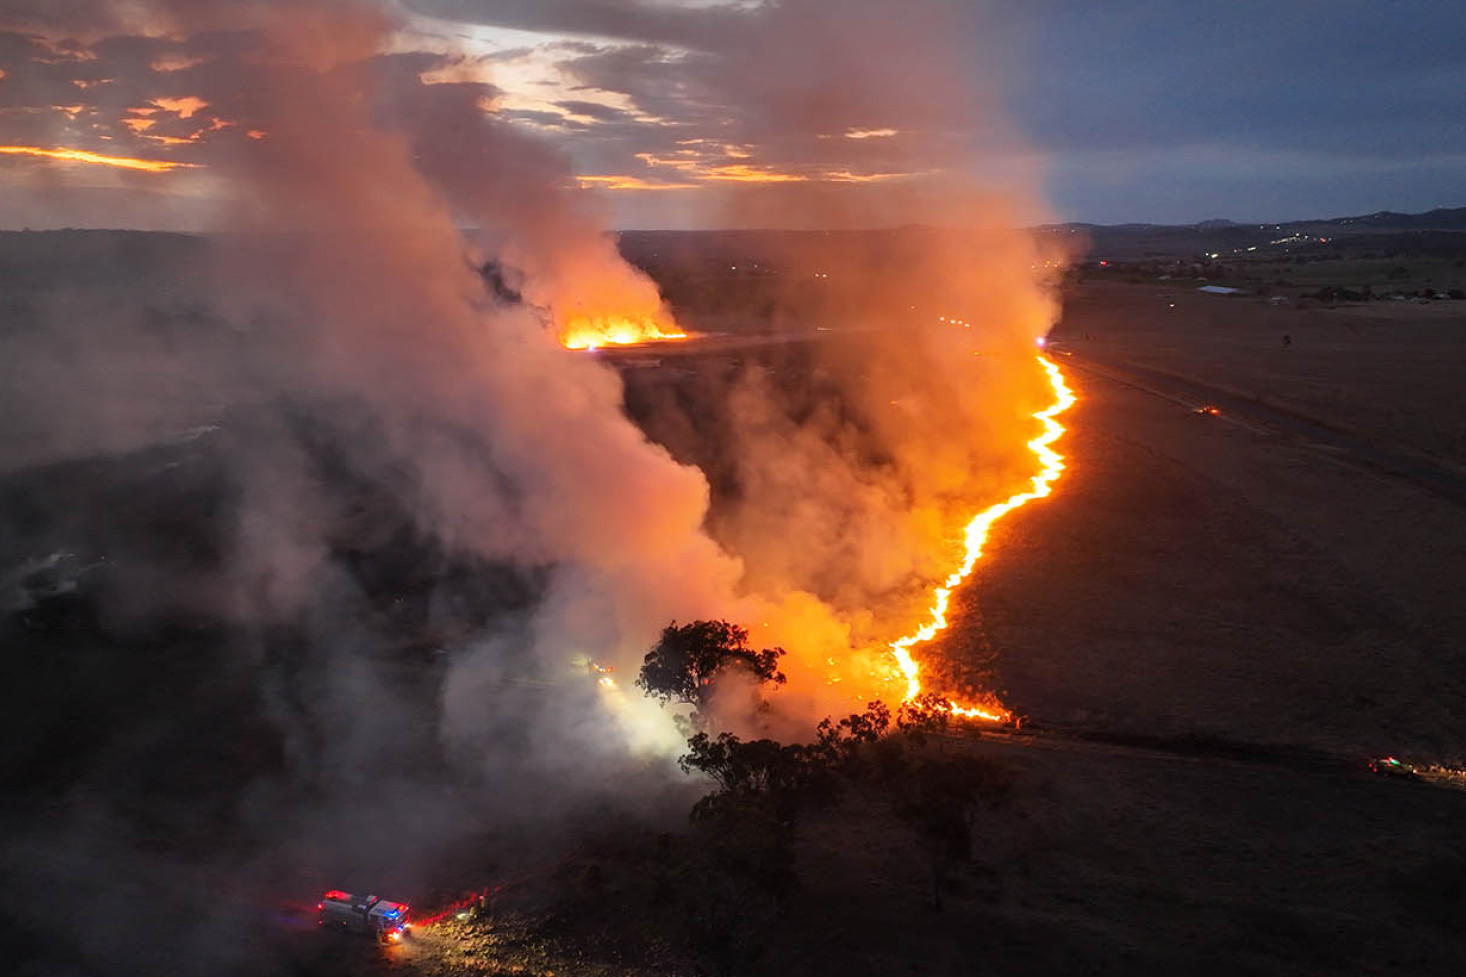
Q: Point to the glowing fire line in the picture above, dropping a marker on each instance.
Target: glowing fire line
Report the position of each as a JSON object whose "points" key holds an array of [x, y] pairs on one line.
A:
{"points": [[976, 537], [594, 332]]}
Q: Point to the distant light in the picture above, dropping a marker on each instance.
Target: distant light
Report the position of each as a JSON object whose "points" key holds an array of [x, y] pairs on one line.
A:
{"points": [[1042, 341]]}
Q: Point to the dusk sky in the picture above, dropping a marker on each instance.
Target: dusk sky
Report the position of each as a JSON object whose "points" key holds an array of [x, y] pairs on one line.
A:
{"points": [[679, 114]]}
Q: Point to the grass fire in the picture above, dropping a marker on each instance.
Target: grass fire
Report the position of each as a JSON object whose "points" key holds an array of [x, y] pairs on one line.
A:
{"points": [[976, 535], [652, 488], [583, 332]]}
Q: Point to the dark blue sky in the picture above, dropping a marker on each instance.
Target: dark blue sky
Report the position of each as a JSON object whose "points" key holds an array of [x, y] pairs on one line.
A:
{"points": [[1183, 111]]}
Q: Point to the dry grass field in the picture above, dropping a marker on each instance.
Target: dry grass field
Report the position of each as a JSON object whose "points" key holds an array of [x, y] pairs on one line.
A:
{"points": [[1212, 626], [1198, 576], [1266, 615], [1389, 371]]}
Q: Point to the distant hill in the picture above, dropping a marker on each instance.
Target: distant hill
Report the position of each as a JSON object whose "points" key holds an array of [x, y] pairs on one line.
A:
{"points": [[30, 259], [1440, 219], [1436, 231]]}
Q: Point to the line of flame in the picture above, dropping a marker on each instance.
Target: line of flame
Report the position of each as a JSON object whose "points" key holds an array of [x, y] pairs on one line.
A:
{"points": [[594, 332], [976, 537]]}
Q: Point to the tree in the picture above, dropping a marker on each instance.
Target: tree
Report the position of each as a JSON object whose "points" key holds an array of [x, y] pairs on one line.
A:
{"points": [[745, 766], [927, 714], [856, 746], [745, 839], [738, 880], [941, 798], [688, 661], [747, 824]]}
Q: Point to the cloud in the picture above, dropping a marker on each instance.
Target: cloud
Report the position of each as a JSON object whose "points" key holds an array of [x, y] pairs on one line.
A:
{"points": [[631, 183], [77, 156], [1140, 76], [625, 107], [594, 110], [771, 82], [640, 20]]}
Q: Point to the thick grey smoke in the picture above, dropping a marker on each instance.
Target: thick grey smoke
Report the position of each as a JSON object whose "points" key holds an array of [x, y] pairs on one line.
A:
{"points": [[366, 383], [373, 418], [855, 488]]}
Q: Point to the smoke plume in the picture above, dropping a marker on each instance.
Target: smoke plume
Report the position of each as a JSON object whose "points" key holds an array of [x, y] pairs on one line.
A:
{"points": [[364, 393]]}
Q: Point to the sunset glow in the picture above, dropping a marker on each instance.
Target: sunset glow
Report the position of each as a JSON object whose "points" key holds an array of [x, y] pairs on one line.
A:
{"points": [[184, 107], [82, 156], [612, 182]]}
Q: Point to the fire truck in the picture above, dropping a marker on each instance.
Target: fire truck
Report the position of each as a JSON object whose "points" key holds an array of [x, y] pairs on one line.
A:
{"points": [[387, 921]]}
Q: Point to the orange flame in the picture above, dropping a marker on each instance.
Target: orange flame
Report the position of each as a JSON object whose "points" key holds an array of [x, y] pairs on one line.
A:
{"points": [[593, 332], [1052, 466]]}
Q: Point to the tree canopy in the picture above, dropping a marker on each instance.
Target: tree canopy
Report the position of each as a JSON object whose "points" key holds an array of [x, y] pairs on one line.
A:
{"points": [[687, 662]]}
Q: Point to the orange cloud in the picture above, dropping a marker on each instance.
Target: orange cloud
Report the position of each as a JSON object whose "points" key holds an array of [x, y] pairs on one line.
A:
{"points": [[174, 62], [628, 183], [82, 156], [845, 176], [742, 173], [724, 172], [185, 107], [70, 55], [713, 166], [194, 136]]}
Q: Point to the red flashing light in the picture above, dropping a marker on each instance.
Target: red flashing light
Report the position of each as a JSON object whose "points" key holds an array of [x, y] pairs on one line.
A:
{"points": [[337, 895]]}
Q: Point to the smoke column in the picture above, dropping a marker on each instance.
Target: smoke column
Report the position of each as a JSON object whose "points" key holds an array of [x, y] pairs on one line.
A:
{"points": [[347, 338], [517, 450], [348, 205], [872, 115]]}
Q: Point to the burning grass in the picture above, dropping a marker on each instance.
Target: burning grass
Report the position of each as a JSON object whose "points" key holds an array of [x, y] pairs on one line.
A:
{"points": [[594, 332], [976, 536]]}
